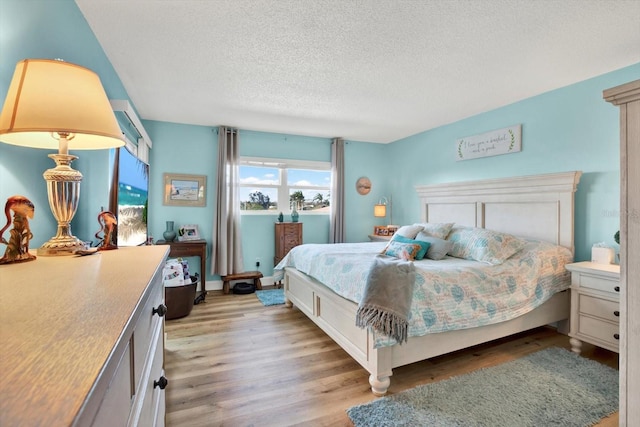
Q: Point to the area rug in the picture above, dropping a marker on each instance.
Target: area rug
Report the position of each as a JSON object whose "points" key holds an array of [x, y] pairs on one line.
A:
{"points": [[552, 387], [271, 296]]}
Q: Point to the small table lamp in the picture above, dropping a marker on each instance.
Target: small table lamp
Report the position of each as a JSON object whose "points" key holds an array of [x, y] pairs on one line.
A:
{"points": [[380, 209], [52, 104]]}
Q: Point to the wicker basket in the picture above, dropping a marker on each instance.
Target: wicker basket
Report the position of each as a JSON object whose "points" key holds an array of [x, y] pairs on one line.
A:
{"points": [[179, 299]]}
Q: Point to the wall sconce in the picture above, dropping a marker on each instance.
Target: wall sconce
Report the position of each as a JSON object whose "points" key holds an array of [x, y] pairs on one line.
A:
{"points": [[380, 209], [55, 104]]}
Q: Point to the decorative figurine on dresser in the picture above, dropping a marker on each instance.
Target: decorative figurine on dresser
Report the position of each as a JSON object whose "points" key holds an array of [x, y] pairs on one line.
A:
{"points": [[20, 235], [108, 222]]}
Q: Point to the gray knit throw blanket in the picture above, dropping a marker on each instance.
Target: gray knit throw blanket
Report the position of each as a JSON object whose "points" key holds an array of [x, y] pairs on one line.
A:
{"points": [[387, 297]]}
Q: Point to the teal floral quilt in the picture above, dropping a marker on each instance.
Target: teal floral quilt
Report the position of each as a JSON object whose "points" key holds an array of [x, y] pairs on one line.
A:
{"points": [[448, 294]]}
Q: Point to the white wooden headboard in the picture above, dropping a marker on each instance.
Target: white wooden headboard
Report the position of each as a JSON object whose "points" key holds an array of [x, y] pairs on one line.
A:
{"points": [[538, 206]]}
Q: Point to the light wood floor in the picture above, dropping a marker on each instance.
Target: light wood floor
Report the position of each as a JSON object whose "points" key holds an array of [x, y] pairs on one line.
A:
{"points": [[234, 362]]}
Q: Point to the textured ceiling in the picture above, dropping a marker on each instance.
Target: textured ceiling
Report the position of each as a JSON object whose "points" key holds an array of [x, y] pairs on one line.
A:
{"points": [[366, 70]]}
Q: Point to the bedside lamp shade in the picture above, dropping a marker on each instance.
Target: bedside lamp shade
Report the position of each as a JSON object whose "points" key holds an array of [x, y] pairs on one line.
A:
{"points": [[50, 97], [380, 211], [52, 104]]}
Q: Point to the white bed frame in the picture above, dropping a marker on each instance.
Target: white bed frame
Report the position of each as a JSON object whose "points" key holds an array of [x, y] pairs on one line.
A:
{"points": [[540, 207]]}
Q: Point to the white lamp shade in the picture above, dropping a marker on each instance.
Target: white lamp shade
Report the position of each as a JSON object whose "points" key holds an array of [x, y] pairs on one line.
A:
{"points": [[380, 211], [47, 97]]}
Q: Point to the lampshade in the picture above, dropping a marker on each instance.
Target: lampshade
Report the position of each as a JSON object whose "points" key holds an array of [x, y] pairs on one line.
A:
{"points": [[52, 104], [380, 211], [48, 97], [380, 208]]}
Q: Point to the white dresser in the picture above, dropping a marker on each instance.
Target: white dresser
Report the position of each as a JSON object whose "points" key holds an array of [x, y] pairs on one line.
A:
{"points": [[595, 305], [83, 340]]}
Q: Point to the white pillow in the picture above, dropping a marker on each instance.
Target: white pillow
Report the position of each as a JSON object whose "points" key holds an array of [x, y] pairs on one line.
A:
{"points": [[440, 229], [484, 245], [438, 248], [409, 231]]}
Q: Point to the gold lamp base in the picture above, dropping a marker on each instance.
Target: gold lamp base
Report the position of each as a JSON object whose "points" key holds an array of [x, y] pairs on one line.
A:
{"points": [[63, 189], [63, 246]]}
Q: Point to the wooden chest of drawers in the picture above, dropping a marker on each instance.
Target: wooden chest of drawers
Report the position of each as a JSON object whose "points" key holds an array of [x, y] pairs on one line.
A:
{"points": [[288, 236], [595, 305]]}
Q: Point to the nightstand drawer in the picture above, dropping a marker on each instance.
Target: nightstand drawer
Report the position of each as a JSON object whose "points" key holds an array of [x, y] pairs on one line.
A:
{"points": [[600, 284], [599, 329], [595, 305], [609, 310]]}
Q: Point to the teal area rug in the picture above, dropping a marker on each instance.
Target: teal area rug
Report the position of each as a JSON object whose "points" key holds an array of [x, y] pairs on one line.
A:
{"points": [[271, 296], [552, 387]]}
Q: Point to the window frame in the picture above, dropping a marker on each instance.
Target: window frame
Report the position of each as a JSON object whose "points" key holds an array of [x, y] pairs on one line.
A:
{"points": [[283, 188]]}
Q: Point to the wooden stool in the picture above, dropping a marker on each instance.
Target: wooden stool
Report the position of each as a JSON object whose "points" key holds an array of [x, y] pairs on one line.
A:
{"points": [[255, 275]]}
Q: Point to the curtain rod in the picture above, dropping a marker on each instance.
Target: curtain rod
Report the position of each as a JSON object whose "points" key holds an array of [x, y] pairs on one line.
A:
{"points": [[217, 130]]}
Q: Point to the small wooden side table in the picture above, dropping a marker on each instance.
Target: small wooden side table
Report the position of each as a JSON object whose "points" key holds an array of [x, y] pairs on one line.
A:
{"points": [[254, 275], [188, 248], [375, 238]]}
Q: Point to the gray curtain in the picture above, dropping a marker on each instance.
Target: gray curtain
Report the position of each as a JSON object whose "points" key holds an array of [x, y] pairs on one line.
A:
{"points": [[336, 225], [227, 242]]}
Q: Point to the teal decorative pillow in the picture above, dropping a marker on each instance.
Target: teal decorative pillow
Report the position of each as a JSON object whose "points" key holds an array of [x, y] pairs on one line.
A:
{"points": [[401, 250], [424, 246], [483, 245], [438, 248], [436, 229]]}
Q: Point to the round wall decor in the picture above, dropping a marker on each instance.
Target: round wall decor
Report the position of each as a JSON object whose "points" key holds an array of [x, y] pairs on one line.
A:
{"points": [[363, 185]]}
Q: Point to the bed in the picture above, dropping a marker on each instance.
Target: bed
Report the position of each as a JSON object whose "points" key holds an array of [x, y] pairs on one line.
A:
{"points": [[537, 208]]}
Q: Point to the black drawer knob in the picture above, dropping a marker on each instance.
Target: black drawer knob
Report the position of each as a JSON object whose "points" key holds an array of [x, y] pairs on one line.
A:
{"points": [[160, 311], [161, 383], [616, 336], [617, 289], [616, 313]]}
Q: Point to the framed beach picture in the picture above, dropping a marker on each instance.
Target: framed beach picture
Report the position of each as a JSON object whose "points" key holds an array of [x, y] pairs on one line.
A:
{"points": [[188, 232], [185, 190], [381, 230]]}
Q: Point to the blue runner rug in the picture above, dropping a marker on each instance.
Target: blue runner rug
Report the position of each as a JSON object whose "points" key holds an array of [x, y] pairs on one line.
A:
{"points": [[552, 387], [271, 296]]}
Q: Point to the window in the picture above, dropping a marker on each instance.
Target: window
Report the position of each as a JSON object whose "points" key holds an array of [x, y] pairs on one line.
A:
{"points": [[130, 203], [274, 185], [130, 177]]}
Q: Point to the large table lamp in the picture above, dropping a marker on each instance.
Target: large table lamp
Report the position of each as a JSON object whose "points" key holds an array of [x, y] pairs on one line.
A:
{"points": [[52, 104]]}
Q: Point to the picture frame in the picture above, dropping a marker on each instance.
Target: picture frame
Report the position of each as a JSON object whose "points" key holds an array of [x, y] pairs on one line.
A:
{"points": [[380, 230], [188, 232], [185, 190]]}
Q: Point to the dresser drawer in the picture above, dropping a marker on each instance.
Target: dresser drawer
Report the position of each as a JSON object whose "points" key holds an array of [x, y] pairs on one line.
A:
{"points": [[599, 283], [147, 324], [597, 307], [152, 395], [116, 405], [600, 329]]}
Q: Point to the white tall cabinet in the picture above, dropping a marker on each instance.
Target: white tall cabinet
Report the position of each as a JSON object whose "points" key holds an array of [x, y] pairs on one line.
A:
{"points": [[627, 97]]}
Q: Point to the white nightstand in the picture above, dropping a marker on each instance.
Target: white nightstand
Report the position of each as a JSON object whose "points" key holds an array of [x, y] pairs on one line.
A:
{"points": [[595, 305], [375, 238]]}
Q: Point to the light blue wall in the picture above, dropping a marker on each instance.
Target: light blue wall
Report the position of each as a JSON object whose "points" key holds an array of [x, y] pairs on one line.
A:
{"points": [[179, 148], [571, 128], [567, 129]]}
